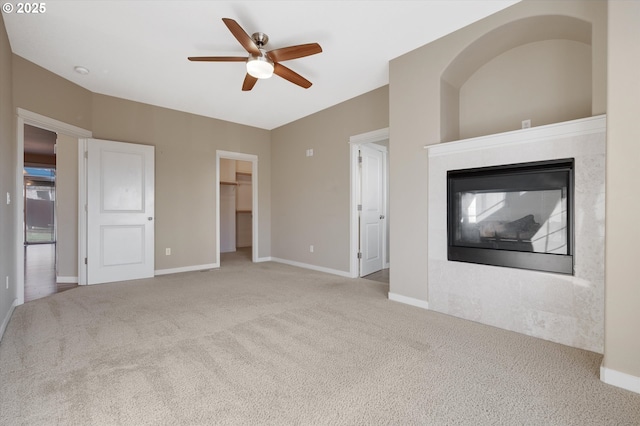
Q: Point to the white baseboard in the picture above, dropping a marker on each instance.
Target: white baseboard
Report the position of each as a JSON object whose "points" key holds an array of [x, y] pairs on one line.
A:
{"points": [[619, 379], [409, 300], [186, 269], [264, 259], [67, 280], [312, 267], [5, 320]]}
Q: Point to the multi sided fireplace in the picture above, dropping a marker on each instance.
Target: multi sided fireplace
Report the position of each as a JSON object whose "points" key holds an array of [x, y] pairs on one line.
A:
{"points": [[517, 215]]}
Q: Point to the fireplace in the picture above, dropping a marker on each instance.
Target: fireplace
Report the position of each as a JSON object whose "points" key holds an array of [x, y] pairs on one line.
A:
{"points": [[565, 307], [516, 215]]}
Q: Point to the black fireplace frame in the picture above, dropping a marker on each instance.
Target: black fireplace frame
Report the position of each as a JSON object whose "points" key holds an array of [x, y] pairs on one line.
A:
{"points": [[527, 176]]}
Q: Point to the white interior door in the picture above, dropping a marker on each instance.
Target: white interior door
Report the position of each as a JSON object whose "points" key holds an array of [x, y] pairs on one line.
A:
{"points": [[120, 211], [372, 214]]}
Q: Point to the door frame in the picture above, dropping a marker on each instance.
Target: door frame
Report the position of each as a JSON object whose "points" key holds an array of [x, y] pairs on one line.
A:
{"points": [[36, 120], [355, 142], [254, 199]]}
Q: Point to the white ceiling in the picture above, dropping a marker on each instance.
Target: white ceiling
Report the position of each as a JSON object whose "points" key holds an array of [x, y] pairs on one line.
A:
{"points": [[138, 50]]}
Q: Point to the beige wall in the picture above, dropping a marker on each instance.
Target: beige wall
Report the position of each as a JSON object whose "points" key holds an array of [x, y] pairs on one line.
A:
{"points": [[186, 147], [311, 194], [38, 90], [553, 76], [67, 206], [622, 293], [416, 120], [8, 221]]}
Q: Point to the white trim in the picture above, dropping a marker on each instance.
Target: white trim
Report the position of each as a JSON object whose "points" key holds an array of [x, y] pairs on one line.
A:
{"points": [[67, 280], [378, 147], [82, 210], [52, 125], [409, 300], [254, 199], [583, 126], [354, 264], [237, 155], [619, 379], [37, 120], [312, 267], [264, 259], [18, 202], [354, 145], [186, 269], [7, 318], [369, 137]]}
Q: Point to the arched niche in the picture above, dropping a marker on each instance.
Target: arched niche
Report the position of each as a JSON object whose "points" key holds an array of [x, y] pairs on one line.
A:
{"points": [[537, 68]]}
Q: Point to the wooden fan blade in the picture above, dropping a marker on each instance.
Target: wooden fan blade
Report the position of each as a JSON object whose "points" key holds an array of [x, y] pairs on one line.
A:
{"points": [[294, 52], [291, 75], [249, 82], [218, 58], [240, 35]]}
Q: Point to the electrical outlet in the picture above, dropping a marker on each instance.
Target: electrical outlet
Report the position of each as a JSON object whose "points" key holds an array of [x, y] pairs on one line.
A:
{"points": [[526, 124], [8, 198], [167, 251], [311, 249]]}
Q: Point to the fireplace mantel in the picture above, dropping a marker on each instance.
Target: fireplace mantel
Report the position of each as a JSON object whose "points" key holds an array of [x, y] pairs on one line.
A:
{"points": [[580, 127], [557, 307]]}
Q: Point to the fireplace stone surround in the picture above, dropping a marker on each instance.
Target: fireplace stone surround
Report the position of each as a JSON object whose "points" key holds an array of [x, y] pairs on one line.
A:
{"points": [[557, 307]]}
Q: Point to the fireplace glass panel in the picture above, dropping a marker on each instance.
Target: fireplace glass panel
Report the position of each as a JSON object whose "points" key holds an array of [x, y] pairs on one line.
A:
{"points": [[534, 221], [514, 215]]}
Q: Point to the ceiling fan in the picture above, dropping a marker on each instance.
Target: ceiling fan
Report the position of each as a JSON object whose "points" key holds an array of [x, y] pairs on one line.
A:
{"points": [[260, 62]]}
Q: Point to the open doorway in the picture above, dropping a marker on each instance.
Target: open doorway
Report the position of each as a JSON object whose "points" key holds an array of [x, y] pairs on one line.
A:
{"points": [[369, 240], [39, 220], [236, 210], [236, 207], [46, 248]]}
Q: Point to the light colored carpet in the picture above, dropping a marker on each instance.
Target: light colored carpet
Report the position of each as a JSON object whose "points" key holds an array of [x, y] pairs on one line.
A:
{"points": [[272, 344]]}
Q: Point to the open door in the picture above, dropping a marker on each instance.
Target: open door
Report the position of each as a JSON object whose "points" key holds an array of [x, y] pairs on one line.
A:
{"points": [[372, 213], [120, 211]]}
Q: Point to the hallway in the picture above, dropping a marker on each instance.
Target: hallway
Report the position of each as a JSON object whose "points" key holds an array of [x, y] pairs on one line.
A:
{"points": [[40, 272]]}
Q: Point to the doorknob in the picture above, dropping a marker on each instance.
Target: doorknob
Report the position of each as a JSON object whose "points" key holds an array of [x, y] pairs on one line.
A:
{"points": [[149, 218], [381, 216]]}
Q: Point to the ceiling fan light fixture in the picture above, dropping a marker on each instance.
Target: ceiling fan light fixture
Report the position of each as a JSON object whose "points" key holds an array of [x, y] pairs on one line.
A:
{"points": [[259, 66], [260, 63]]}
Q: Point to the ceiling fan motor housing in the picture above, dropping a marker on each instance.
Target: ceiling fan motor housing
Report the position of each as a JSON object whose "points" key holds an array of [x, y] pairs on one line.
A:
{"points": [[261, 39]]}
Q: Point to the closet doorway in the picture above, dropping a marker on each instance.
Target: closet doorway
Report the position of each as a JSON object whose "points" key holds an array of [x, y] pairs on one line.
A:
{"points": [[237, 197]]}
